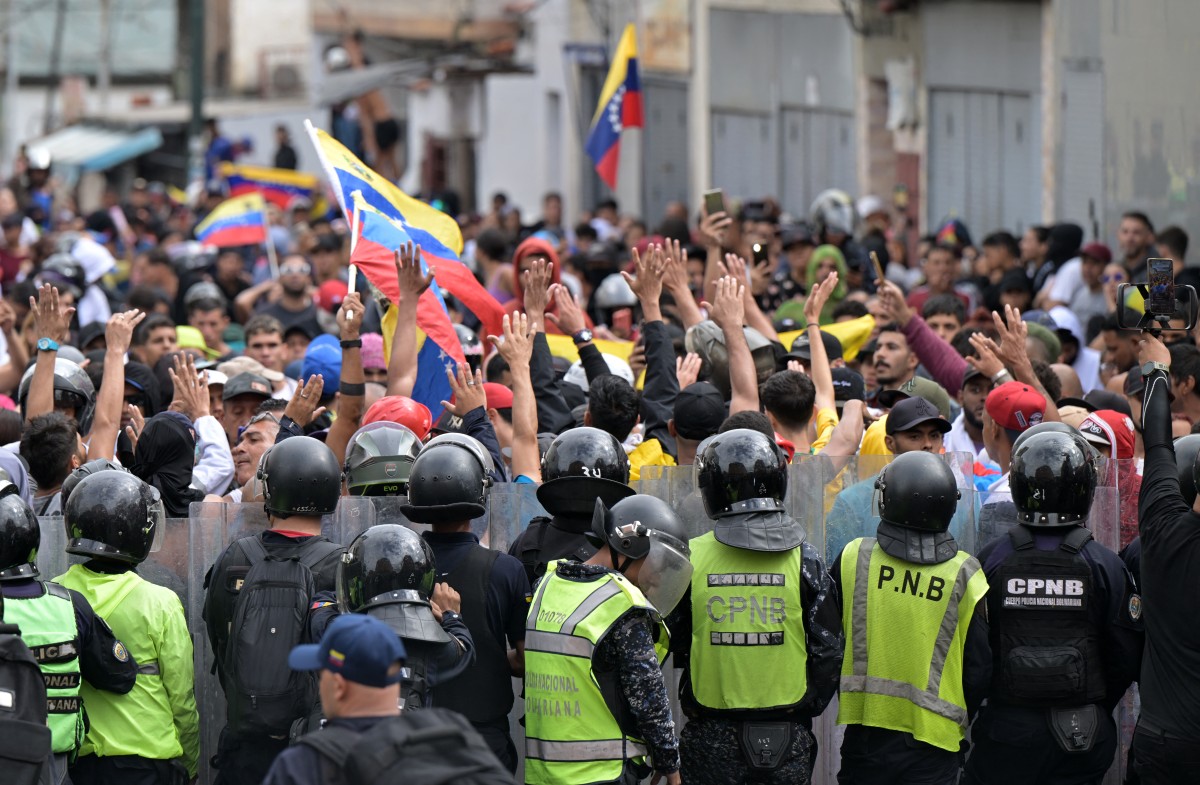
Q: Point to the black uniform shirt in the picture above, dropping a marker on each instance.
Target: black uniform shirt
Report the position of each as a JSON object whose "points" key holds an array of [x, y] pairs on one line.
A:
{"points": [[508, 591], [103, 661]]}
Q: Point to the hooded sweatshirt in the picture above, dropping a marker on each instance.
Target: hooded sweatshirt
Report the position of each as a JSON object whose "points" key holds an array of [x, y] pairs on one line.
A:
{"points": [[794, 309], [535, 246]]}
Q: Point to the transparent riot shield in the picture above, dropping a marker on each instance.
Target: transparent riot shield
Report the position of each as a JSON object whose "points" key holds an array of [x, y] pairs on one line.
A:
{"points": [[511, 506]]}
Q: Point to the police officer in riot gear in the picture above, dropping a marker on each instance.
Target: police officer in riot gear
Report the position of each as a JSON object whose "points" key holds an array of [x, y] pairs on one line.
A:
{"points": [[761, 603], [388, 572], [67, 638], [596, 704], [1065, 622], [917, 661], [448, 488], [111, 518], [580, 466], [379, 458]]}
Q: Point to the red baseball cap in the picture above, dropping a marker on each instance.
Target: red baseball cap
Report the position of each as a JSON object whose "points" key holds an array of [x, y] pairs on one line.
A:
{"points": [[1112, 429], [1097, 251], [1015, 406], [330, 295], [411, 414], [498, 396]]}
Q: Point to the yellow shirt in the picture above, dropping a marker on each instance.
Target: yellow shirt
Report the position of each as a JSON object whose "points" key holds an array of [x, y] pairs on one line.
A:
{"points": [[873, 443], [827, 420]]}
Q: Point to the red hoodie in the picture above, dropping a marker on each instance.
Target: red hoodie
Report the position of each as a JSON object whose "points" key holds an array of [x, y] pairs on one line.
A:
{"points": [[534, 246]]}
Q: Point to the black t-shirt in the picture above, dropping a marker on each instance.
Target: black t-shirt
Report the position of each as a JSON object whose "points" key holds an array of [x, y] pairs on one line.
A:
{"points": [[305, 319]]}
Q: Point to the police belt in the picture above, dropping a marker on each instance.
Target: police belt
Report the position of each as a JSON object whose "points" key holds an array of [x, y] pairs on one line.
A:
{"points": [[1149, 728], [792, 715]]}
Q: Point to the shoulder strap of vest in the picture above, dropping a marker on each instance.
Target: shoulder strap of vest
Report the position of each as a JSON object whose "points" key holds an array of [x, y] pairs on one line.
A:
{"points": [[61, 592], [332, 743], [252, 548], [1020, 537], [535, 536], [478, 561], [1074, 542]]}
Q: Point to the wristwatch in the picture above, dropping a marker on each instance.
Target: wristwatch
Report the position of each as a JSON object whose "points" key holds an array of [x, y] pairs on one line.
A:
{"points": [[582, 337], [47, 345], [1147, 369]]}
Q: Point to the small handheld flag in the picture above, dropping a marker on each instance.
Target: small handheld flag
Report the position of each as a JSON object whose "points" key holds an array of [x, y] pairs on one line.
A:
{"points": [[241, 220], [620, 107], [278, 186]]}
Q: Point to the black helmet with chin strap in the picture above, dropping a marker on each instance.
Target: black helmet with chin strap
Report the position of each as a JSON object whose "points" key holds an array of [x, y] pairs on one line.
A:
{"points": [[918, 496], [646, 527], [1053, 477], [20, 536]]}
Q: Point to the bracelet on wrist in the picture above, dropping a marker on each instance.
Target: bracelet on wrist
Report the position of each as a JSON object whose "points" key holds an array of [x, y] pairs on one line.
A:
{"points": [[355, 343], [1001, 375], [352, 388]]}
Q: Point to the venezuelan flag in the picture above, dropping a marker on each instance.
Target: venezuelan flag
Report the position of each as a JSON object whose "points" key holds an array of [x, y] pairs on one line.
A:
{"points": [[278, 186], [620, 107], [241, 220], [437, 233]]}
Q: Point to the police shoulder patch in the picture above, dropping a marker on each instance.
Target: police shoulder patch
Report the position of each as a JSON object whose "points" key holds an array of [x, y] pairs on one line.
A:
{"points": [[1135, 607], [120, 652]]}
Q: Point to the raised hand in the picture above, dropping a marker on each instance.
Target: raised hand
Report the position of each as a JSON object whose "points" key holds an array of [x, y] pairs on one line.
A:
{"points": [[713, 228], [467, 389], [687, 369], [648, 285], [986, 361], [536, 282], [349, 317], [894, 306], [305, 405], [818, 297], [569, 318], [191, 389], [728, 310], [118, 333], [675, 277], [408, 272], [51, 319], [516, 343]]}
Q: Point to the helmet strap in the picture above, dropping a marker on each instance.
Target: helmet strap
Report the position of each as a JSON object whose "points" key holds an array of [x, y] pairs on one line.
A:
{"points": [[615, 555]]}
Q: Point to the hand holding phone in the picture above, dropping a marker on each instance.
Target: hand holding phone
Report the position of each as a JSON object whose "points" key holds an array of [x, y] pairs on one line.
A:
{"points": [[714, 201]]}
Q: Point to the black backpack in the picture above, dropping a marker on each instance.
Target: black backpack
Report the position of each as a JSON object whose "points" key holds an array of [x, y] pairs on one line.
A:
{"points": [[270, 617], [24, 737], [431, 746]]}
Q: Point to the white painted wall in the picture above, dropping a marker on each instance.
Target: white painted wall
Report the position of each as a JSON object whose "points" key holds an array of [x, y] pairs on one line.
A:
{"points": [[256, 25]]}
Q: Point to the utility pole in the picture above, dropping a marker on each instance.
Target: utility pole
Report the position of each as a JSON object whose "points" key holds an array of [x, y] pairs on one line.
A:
{"points": [[196, 127], [60, 24], [11, 79], [104, 67]]}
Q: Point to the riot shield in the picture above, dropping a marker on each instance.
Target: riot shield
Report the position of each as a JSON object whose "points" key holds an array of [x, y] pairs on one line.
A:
{"points": [[511, 506]]}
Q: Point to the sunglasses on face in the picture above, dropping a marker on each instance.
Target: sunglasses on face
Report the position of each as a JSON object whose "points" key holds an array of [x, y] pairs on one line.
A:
{"points": [[1113, 278], [295, 270], [257, 418]]}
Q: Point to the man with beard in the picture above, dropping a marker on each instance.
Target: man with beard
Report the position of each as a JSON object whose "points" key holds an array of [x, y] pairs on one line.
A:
{"points": [[255, 440], [1135, 238], [295, 307], [895, 362], [966, 432]]}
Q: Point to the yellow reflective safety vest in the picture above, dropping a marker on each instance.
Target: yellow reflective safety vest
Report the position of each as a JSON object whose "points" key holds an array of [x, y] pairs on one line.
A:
{"points": [[48, 628], [906, 626], [157, 719], [571, 734], [746, 625]]}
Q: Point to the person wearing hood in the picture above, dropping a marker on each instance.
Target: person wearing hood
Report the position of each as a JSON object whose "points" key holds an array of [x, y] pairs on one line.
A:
{"points": [[763, 633], [823, 262], [918, 661], [1062, 245], [526, 254]]}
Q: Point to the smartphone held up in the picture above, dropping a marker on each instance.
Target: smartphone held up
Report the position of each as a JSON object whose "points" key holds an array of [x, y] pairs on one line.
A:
{"points": [[1166, 307]]}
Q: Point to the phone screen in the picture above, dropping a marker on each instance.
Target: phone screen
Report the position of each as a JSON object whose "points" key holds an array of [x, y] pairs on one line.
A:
{"points": [[761, 252], [714, 201], [1162, 287]]}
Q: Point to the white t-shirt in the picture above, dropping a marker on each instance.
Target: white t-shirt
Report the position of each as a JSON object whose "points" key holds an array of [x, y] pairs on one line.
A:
{"points": [[1066, 281]]}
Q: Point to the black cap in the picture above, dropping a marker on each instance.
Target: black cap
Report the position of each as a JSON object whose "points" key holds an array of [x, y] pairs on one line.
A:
{"points": [[848, 385], [1106, 399], [803, 351], [1135, 383], [911, 412], [699, 411], [797, 234], [90, 332], [247, 384]]}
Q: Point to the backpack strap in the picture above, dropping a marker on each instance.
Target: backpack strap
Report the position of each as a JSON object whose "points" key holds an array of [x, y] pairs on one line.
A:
{"points": [[1020, 537], [334, 744], [1076, 540], [253, 549], [319, 551]]}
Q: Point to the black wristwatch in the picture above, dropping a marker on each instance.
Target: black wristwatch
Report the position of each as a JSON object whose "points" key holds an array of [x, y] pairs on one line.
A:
{"points": [[582, 337], [353, 344], [1152, 366]]}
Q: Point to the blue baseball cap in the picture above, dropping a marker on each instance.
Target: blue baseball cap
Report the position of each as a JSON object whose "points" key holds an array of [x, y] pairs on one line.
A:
{"points": [[356, 647], [324, 357]]}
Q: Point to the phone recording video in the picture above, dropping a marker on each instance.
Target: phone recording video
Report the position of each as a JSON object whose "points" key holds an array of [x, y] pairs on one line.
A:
{"points": [[1161, 298], [714, 201]]}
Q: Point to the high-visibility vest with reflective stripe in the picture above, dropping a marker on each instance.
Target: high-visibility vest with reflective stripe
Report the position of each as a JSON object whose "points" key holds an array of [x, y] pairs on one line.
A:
{"points": [[906, 626], [747, 624], [48, 628], [571, 735]]}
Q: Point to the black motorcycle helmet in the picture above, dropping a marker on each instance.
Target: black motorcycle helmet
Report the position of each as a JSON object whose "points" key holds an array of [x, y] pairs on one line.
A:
{"points": [[1187, 451], [917, 491], [379, 458], [86, 470], [112, 516], [471, 345], [580, 466], [62, 271], [448, 483], [20, 536], [388, 562], [1053, 477], [72, 387], [300, 476], [741, 471]]}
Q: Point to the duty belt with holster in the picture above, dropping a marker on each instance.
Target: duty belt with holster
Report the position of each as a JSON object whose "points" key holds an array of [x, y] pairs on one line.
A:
{"points": [[1074, 729]]}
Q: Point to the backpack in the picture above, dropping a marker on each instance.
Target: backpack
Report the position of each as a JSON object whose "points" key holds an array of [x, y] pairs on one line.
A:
{"points": [[431, 746], [24, 737], [270, 617]]}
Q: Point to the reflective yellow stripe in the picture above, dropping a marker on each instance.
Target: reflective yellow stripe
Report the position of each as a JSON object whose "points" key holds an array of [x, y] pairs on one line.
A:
{"points": [[941, 647], [603, 593], [875, 685], [556, 643], [858, 631], [582, 751]]}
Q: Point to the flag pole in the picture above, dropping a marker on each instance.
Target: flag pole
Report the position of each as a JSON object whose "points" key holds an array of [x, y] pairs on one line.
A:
{"points": [[352, 273], [271, 260]]}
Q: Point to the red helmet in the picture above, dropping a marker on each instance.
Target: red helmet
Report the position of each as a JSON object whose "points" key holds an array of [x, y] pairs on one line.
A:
{"points": [[405, 411]]}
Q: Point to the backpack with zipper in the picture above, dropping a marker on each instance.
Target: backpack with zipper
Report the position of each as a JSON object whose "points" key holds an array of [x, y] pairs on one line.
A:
{"points": [[270, 617], [25, 745]]}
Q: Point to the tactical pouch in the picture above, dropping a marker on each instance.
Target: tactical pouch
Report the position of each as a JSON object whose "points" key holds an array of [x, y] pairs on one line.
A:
{"points": [[765, 745], [1044, 674], [1074, 729]]}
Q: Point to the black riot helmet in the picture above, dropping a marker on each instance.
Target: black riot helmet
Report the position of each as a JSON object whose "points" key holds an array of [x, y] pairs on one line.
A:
{"points": [[917, 491], [72, 387], [112, 516], [741, 471], [1053, 477], [448, 483], [86, 470], [20, 536], [379, 458], [389, 572], [1187, 451], [580, 466], [646, 527], [300, 476]]}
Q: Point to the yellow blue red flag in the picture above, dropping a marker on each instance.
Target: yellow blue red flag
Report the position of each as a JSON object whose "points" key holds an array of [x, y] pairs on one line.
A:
{"points": [[620, 107], [278, 186], [241, 220]]}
